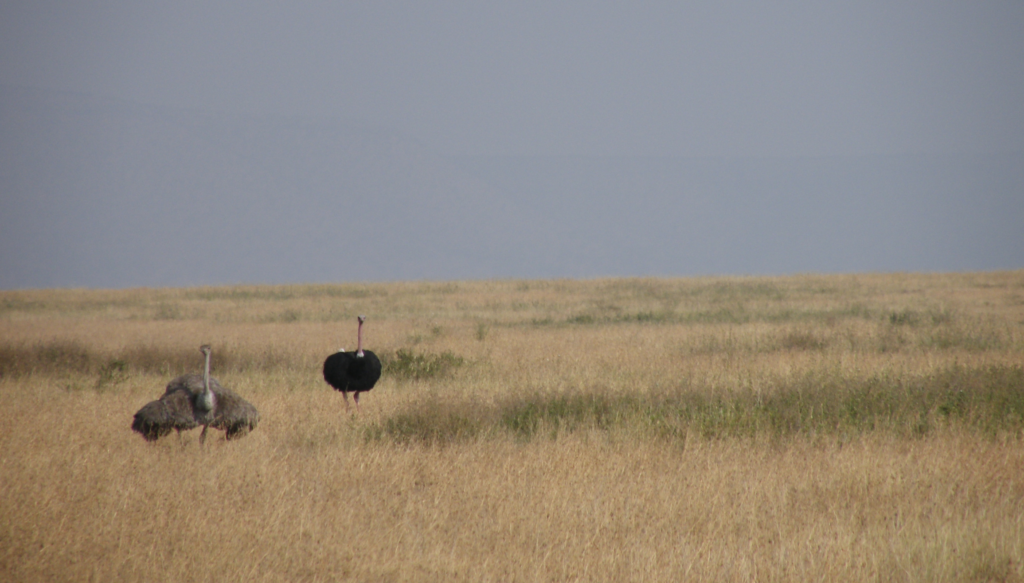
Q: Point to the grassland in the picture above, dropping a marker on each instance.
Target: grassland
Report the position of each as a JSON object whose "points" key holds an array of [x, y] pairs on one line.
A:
{"points": [[861, 427]]}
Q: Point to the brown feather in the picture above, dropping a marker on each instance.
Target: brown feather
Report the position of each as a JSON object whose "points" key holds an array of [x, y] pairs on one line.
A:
{"points": [[177, 410]]}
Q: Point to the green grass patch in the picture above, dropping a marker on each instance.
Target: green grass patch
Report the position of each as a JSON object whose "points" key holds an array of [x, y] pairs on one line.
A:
{"points": [[407, 365], [166, 311], [431, 425], [989, 400], [283, 317], [60, 357], [48, 357], [113, 373]]}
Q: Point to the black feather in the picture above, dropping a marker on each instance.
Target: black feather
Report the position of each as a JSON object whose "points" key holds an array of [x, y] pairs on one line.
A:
{"points": [[349, 372]]}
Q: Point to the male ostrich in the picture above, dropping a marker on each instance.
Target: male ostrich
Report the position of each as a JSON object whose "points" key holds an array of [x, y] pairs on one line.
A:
{"points": [[352, 371], [192, 400]]}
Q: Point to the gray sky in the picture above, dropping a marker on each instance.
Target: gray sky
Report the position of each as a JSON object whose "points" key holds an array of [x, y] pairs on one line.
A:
{"points": [[334, 141], [554, 78]]}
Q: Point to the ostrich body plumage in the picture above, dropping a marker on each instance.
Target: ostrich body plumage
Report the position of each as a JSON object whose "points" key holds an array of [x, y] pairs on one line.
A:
{"points": [[187, 404], [353, 372]]}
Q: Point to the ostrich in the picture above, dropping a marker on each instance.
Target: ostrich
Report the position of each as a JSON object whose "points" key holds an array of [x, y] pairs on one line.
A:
{"points": [[192, 400], [352, 371]]}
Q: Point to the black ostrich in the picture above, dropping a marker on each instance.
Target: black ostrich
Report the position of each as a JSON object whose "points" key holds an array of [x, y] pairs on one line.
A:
{"points": [[192, 400], [352, 371]]}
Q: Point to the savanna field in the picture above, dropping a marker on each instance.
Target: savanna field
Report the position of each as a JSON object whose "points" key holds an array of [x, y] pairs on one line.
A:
{"points": [[806, 428]]}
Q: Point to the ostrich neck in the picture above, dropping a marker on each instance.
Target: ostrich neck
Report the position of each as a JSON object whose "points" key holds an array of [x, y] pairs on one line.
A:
{"points": [[206, 374], [359, 341], [207, 399]]}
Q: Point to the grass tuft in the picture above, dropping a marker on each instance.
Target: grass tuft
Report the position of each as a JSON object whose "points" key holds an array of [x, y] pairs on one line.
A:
{"points": [[565, 413], [427, 426], [407, 365], [112, 373]]}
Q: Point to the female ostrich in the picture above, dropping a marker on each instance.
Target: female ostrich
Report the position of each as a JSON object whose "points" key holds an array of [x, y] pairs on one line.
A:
{"points": [[352, 371], [192, 400]]}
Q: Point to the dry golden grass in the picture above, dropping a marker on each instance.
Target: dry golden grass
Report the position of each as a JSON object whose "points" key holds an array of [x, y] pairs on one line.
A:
{"points": [[314, 494]]}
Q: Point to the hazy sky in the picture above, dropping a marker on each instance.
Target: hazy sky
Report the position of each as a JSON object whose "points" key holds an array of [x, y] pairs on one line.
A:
{"points": [[332, 141], [541, 78]]}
